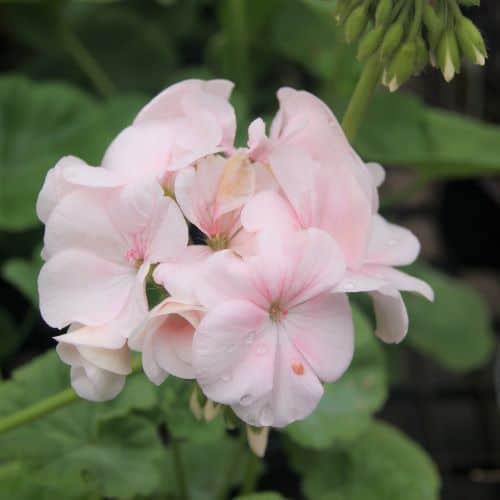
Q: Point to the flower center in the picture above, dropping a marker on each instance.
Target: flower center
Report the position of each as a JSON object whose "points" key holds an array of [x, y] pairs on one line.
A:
{"points": [[135, 255], [276, 313], [218, 242]]}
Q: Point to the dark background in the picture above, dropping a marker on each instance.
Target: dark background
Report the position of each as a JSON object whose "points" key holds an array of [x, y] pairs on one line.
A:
{"points": [[454, 417]]}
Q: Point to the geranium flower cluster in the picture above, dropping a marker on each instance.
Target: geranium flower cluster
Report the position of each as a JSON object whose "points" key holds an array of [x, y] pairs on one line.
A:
{"points": [[259, 313]]}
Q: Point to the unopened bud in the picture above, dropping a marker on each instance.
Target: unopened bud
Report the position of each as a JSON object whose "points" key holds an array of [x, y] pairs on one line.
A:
{"points": [[211, 410], [391, 41], [402, 66], [356, 23], [421, 56], [471, 41], [197, 402], [340, 10], [257, 439], [433, 24], [448, 55], [383, 12], [370, 42]]}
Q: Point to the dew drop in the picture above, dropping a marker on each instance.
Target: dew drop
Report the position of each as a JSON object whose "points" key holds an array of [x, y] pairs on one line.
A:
{"points": [[349, 285], [261, 350], [226, 378], [266, 416], [250, 339], [246, 399]]}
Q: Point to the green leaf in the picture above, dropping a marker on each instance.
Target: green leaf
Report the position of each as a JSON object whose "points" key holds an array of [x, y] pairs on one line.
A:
{"points": [[456, 329], [347, 405], [93, 449], [439, 143], [40, 123], [10, 337], [265, 495], [181, 422], [381, 464], [23, 275]]}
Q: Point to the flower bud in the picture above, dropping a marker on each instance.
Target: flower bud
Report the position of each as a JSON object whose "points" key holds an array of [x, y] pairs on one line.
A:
{"points": [[197, 402], [470, 40], [402, 66], [391, 40], [341, 10], [383, 12], [211, 410], [257, 439], [370, 42], [421, 56], [356, 23], [448, 55], [434, 25]]}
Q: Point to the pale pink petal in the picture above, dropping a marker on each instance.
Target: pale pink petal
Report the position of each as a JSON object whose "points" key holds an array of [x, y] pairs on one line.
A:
{"points": [[96, 379], [327, 198], [168, 235], [360, 281], [82, 221], [166, 340], [400, 280], [322, 330], [140, 152], [391, 315], [390, 244], [180, 275], [191, 98], [77, 286], [196, 189], [233, 353], [295, 391], [100, 336], [226, 277], [296, 267], [269, 210], [55, 187], [259, 145], [377, 173]]}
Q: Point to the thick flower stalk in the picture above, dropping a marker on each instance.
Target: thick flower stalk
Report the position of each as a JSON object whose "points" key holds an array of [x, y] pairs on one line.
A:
{"points": [[256, 310]]}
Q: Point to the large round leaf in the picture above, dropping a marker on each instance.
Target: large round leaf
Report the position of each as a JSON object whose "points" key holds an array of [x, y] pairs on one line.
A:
{"points": [[381, 464], [40, 123], [455, 330]]}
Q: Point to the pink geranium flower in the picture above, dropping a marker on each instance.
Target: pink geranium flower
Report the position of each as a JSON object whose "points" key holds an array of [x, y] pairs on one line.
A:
{"points": [[273, 331], [99, 246]]}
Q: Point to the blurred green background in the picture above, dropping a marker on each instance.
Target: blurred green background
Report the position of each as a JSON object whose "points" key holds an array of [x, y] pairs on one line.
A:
{"points": [[74, 73]]}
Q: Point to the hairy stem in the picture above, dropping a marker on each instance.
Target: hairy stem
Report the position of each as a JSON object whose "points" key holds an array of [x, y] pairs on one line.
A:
{"points": [[179, 470], [362, 96], [87, 63], [46, 406]]}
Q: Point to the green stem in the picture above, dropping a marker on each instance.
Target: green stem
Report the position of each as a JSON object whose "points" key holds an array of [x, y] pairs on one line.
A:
{"points": [[86, 62], [38, 410], [362, 96], [234, 462], [179, 470], [235, 26], [417, 20], [250, 479], [46, 406]]}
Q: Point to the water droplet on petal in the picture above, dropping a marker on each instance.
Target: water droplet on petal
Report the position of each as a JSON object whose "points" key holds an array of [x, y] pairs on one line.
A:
{"points": [[246, 399], [250, 339], [349, 285], [266, 416], [261, 350], [392, 242], [226, 378]]}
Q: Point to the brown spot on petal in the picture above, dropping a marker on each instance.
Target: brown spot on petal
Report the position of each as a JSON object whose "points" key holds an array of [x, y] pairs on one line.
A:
{"points": [[298, 368]]}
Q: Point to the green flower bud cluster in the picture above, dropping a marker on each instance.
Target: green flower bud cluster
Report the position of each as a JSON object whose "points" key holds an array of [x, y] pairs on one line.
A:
{"points": [[407, 34]]}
